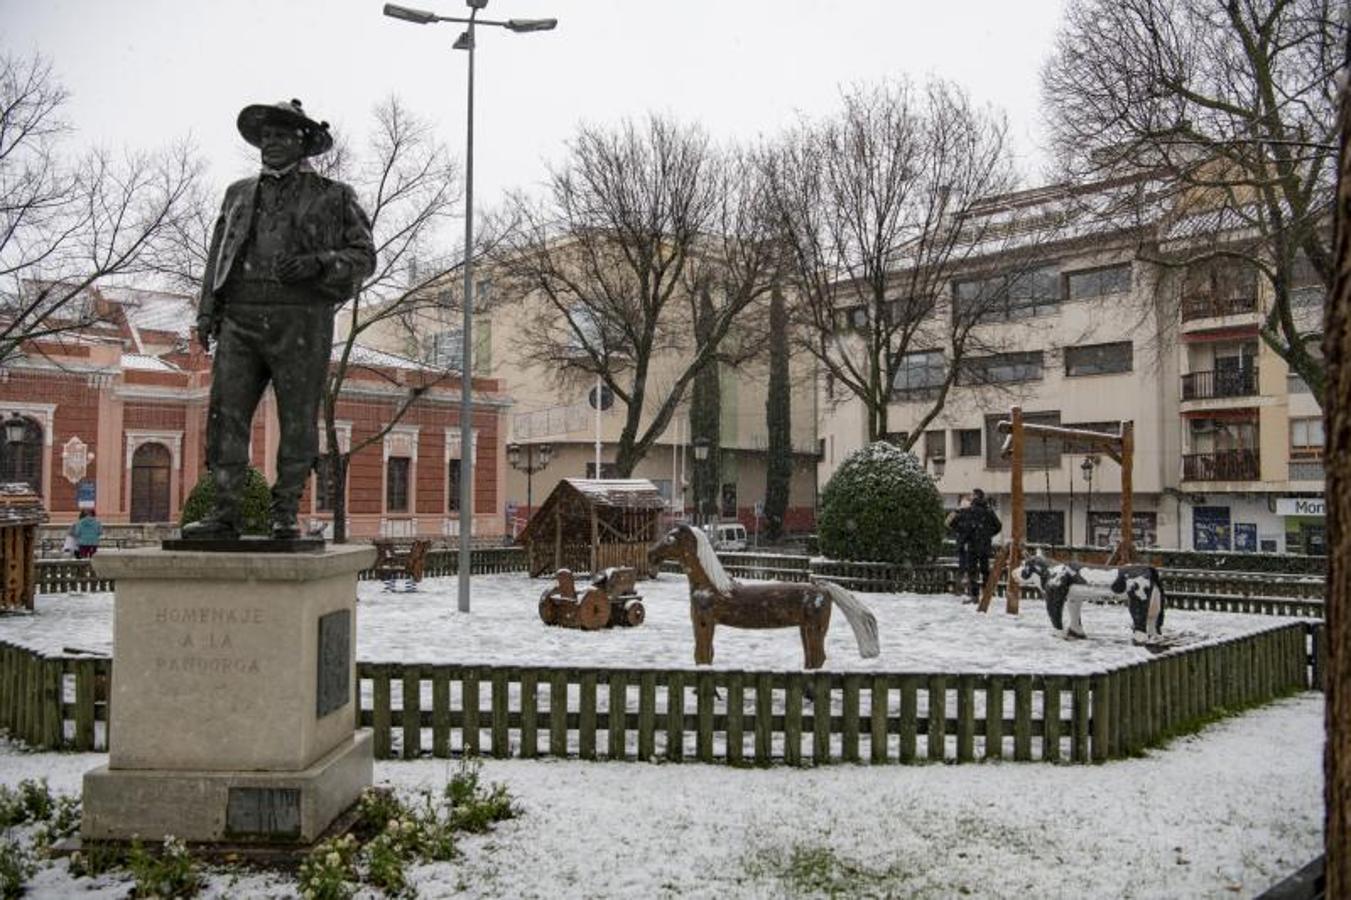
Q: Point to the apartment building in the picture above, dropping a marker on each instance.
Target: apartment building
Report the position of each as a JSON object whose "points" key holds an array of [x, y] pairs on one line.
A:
{"points": [[558, 428], [1228, 446]]}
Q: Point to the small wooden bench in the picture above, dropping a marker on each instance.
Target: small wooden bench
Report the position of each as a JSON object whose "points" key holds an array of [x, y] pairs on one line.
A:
{"points": [[395, 559]]}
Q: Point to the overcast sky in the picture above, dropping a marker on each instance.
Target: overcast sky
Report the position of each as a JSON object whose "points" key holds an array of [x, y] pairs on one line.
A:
{"points": [[145, 72]]}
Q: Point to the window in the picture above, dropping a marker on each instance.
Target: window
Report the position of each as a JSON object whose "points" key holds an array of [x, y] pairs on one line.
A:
{"points": [[584, 329], [396, 484], [1098, 359], [917, 372], [1306, 438], [1035, 292], [968, 442], [1099, 282], [1002, 368], [1045, 526], [1037, 453], [445, 349], [729, 500], [323, 488], [453, 486], [935, 445], [21, 461]]}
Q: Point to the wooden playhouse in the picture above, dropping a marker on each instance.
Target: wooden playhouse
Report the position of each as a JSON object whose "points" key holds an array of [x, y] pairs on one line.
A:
{"points": [[21, 512], [590, 525]]}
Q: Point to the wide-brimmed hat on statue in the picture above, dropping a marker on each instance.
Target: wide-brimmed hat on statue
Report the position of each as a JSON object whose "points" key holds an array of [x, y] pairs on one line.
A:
{"points": [[286, 113]]}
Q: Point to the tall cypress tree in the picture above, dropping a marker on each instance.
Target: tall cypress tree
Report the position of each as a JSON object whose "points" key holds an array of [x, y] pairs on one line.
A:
{"points": [[778, 420], [706, 415]]}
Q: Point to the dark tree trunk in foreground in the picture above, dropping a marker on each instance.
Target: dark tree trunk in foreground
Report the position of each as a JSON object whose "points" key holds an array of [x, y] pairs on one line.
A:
{"points": [[706, 419], [1337, 353]]}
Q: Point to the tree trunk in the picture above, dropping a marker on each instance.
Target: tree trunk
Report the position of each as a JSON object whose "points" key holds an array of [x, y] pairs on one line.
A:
{"points": [[705, 418], [778, 421], [338, 463], [1337, 456]]}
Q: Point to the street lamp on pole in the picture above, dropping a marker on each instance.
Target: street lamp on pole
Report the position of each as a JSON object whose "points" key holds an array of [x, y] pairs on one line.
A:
{"points": [[700, 445], [529, 465], [466, 42]]}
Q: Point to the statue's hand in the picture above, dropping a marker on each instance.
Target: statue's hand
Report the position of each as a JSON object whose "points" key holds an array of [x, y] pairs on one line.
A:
{"points": [[304, 267], [206, 330]]}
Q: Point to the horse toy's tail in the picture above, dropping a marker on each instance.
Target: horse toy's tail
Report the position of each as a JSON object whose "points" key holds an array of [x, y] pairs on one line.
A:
{"points": [[859, 616]]}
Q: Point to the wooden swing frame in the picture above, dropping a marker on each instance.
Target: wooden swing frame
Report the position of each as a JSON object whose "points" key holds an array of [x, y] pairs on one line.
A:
{"points": [[1120, 448]]}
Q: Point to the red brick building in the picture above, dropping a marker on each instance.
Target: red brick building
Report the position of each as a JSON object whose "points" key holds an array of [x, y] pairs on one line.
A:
{"points": [[114, 418]]}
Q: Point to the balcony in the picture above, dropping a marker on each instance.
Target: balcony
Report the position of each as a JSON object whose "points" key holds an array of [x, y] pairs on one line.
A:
{"points": [[1204, 306], [1221, 383], [1307, 470], [1224, 465]]}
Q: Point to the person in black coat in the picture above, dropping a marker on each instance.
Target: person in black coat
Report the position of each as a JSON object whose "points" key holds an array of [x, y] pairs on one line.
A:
{"points": [[975, 527]]}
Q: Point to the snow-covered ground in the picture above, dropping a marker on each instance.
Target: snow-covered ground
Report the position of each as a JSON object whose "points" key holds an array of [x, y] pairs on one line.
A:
{"points": [[919, 633], [1224, 813]]}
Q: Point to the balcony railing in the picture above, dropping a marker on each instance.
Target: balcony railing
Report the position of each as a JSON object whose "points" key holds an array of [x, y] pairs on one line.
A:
{"points": [[1307, 470], [1226, 465], [1220, 383], [1202, 306]]}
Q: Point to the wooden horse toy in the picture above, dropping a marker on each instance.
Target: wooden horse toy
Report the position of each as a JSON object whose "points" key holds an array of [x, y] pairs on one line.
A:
{"points": [[718, 599], [1067, 585]]}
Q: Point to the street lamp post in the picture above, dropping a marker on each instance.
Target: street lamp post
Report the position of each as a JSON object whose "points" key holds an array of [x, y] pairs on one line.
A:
{"points": [[529, 466], [1087, 468], [466, 42], [700, 445]]}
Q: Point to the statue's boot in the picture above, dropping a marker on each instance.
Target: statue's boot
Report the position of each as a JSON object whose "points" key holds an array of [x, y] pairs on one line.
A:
{"points": [[224, 522], [286, 500]]}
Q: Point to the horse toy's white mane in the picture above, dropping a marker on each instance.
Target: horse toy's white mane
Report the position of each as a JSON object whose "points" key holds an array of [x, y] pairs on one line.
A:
{"points": [[712, 566]]}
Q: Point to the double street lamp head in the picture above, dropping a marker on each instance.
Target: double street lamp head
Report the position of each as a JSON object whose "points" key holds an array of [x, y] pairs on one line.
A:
{"points": [[424, 17]]}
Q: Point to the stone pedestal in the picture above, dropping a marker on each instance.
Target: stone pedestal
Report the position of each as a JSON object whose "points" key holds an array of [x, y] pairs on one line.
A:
{"points": [[234, 707]]}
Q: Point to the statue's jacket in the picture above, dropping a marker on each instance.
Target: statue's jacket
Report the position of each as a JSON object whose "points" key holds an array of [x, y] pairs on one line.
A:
{"points": [[327, 220]]}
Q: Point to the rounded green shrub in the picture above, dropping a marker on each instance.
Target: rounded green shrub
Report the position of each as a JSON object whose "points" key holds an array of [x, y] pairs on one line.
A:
{"points": [[254, 505], [881, 506]]}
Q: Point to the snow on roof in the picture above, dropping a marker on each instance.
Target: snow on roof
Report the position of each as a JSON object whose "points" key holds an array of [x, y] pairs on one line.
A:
{"points": [[365, 355], [142, 362], [618, 491], [153, 310]]}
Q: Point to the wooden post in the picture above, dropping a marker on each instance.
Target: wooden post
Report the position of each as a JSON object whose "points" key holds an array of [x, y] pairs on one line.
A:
{"points": [[938, 717], [586, 716], [736, 716], [909, 716], [469, 723], [764, 719], [675, 716], [412, 711], [440, 712], [1018, 530], [616, 726], [878, 716], [849, 742], [1125, 550], [792, 720], [529, 714], [558, 713], [501, 718]]}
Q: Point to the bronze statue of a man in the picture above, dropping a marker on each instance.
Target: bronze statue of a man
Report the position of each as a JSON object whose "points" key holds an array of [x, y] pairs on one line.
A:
{"points": [[288, 247]]}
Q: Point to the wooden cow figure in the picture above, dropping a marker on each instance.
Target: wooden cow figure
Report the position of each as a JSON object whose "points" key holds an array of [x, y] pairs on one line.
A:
{"points": [[1067, 585]]}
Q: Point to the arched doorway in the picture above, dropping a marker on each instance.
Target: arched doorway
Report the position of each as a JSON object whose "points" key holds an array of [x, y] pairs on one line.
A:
{"points": [[21, 460], [151, 465]]}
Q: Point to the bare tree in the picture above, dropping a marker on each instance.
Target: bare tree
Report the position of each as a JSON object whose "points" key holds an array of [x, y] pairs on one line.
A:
{"points": [[638, 224], [409, 186], [878, 208], [1234, 104], [69, 223]]}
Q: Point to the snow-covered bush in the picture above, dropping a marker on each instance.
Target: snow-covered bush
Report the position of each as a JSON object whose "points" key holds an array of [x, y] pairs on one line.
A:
{"points": [[254, 504], [882, 506]]}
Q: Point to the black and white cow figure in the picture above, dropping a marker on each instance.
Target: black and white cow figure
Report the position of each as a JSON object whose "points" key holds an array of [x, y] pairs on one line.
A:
{"points": [[1067, 585]]}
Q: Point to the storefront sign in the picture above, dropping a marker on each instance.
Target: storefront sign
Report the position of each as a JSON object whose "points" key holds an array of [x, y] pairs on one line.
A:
{"points": [[1301, 506]]}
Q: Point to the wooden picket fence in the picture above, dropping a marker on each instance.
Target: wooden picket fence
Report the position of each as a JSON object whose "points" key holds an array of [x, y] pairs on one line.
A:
{"points": [[744, 717]]}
